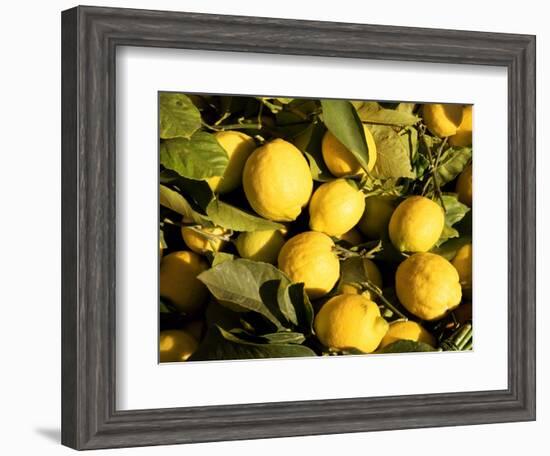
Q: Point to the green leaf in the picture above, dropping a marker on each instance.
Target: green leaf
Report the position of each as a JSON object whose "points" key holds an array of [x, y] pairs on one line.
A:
{"points": [[409, 138], [284, 337], [310, 143], [217, 212], [449, 248], [292, 302], [272, 294], [198, 157], [406, 107], [420, 165], [452, 162], [406, 346], [393, 156], [341, 118], [178, 116], [219, 344], [373, 113], [198, 193], [454, 209], [176, 202], [233, 218], [352, 271], [220, 257], [295, 293], [448, 233], [238, 282], [454, 212], [162, 240]]}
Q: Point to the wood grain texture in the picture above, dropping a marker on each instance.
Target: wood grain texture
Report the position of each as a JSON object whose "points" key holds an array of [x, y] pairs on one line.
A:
{"points": [[89, 40]]}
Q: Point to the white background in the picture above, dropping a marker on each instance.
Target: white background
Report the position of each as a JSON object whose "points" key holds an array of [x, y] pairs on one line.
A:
{"points": [[30, 228], [336, 377]]}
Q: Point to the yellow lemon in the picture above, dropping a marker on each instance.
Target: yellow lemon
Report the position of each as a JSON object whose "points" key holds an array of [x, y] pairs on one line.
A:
{"points": [[203, 239], [416, 224], [356, 270], [427, 285], [340, 161], [309, 257], [277, 181], [176, 345], [442, 119], [350, 321], [463, 264], [179, 283], [352, 237], [464, 186], [463, 135], [407, 330], [336, 207], [375, 219], [260, 245], [238, 147]]}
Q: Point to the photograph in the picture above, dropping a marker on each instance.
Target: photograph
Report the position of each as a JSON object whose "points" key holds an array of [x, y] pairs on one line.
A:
{"points": [[267, 228], [298, 227]]}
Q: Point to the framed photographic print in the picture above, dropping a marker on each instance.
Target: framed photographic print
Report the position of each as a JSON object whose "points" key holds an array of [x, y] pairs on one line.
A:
{"points": [[269, 227]]}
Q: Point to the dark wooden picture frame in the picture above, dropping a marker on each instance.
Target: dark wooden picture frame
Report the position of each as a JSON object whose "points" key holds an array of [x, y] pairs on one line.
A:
{"points": [[90, 37]]}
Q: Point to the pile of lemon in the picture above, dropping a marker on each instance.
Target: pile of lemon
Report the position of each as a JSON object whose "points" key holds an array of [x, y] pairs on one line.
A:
{"points": [[278, 185]]}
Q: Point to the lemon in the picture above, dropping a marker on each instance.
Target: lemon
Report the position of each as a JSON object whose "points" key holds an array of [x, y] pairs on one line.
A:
{"points": [[442, 119], [463, 135], [464, 186], [375, 219], [238, 147], [336, 207], [357, 269], [352, 237], [309, 258], [350, 321], [260, 245], [427, 285], [463, 264], [176, 345], [203, 239], [179, 283], [416, 224], [407, 330], [340, 161], [277, 181]]}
